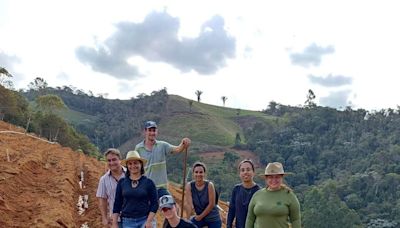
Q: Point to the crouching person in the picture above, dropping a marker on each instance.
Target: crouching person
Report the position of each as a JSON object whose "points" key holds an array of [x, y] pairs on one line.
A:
{"points": [[168, 208], [136, 196]]}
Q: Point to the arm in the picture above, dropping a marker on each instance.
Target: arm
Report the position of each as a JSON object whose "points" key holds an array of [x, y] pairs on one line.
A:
{"points": [[115, 220], [189, 202], [185, 143], [250, 213], [149, 220], [211, 202], [103, 210], [117, 208], [294, 211], [153, 203], [232, 209], [102, 196]]}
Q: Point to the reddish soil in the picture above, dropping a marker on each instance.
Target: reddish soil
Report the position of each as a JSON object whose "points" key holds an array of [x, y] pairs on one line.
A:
{"points": [[39, 183]]}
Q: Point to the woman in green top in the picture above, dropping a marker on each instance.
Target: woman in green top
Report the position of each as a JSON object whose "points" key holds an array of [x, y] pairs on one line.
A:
{"points": [[276, 205]]}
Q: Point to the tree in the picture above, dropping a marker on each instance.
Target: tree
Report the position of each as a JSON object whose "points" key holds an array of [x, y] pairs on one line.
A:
{"points": [[4, 71], [224, 99], [5, 78], [309, 103], [48, 103], [39, 85], [238, 139], [198, 94], [190, 105], [323, 208]]}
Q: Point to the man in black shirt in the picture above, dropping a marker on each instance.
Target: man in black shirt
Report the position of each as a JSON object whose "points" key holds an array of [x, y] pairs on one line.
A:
{"points": [[168, 208]]}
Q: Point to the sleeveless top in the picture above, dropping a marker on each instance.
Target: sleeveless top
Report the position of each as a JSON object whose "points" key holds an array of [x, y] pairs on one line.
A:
{"points": [[200, 202]]}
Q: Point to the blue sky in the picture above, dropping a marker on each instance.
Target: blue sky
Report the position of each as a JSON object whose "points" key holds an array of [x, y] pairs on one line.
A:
{"points": [[345, 51]]}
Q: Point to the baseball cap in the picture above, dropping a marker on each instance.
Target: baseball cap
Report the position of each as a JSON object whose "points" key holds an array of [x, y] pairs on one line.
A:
{"points": [[150, 124], [166, 201]]}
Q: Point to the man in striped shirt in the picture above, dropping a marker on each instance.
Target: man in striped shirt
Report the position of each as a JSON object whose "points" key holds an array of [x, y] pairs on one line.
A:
{"points": [[155, 152], [108, 185]]}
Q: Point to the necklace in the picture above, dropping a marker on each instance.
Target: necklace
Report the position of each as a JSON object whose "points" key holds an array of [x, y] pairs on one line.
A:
{"points": [[134, 183]]}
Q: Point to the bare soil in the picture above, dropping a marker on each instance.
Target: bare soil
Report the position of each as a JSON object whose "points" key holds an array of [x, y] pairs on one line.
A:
{"points": [[39, 183]]}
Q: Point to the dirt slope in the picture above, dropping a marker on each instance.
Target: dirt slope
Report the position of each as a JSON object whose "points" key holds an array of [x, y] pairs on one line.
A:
{"points": [[39, 183]]}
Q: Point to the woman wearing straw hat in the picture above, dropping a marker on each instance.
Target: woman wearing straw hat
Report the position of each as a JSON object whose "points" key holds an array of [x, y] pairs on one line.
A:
{"points": [[275, 205], [136, 196]]}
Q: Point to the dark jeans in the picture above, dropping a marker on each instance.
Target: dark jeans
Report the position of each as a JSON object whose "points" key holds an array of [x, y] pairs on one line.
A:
{"points": [[202, 223]]}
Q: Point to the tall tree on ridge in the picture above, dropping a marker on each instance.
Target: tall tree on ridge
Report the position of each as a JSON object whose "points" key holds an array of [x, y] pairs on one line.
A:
{"points": [[198, 94]]}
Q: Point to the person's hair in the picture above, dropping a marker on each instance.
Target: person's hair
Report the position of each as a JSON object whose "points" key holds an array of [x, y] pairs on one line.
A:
{"points": [[247, 161], [199, 164], [286, 187], [113, 151], [127, 174]]}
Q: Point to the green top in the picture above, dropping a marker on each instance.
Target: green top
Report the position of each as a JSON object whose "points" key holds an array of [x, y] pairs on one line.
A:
{"points": [[156, 166], [273, 209]]}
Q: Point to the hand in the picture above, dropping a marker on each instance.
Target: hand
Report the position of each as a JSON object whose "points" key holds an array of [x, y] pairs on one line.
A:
{"points": [[186, 142], [148, 224], [106, 222], [197, 218]]}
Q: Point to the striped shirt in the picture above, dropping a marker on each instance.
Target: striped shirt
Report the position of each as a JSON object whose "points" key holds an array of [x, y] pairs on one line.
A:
{"points": [[156, 166], [107, 187]]}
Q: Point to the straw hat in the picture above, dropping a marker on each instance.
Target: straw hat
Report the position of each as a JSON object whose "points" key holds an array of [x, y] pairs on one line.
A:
{"points": [[133, 155], [274, 168]]}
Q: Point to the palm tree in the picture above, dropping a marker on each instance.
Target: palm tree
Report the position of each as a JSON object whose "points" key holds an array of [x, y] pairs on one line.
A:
{"points": [[224, 99], [190, 105], [198, 94]]}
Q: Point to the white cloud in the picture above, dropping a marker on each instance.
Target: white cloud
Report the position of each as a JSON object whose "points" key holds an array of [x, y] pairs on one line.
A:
{"points": [[44, 35]]}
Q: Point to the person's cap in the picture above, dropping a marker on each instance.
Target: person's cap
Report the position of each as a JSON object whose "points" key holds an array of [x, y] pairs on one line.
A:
{"points": [[150, 124], [166, 201]]}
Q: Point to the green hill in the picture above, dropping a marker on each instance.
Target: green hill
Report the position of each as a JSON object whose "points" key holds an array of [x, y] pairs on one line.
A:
{"points": [[346, 163]]}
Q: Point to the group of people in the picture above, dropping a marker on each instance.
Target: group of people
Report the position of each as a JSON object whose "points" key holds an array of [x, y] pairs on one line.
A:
{"points": [[132, 191]]}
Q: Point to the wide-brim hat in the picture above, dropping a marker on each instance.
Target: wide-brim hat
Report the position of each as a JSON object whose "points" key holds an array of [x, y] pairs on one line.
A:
{"points": [[274, 168], [133, 155]]}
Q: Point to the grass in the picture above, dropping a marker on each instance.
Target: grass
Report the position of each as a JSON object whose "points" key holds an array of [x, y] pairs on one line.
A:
{"points": [[211, 124]]}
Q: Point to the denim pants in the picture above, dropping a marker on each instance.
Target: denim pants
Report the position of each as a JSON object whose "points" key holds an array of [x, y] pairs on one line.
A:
{"points": [[133, 222], [202, 223]]}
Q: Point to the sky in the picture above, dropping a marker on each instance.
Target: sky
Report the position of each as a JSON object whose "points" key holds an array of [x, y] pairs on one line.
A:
{"points": [[252, 52]]}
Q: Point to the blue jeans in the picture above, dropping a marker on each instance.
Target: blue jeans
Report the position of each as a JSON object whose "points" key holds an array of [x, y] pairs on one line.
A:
{"points": [[202, 223], [133, 222]]}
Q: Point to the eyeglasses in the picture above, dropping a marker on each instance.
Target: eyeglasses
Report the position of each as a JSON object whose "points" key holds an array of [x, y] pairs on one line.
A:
{"points": [[112, 159], [151, 129], [165, 209]]}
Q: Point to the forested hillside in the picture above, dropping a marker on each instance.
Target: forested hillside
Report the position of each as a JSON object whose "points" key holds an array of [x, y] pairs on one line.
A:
{"points": [[343, 161], [346, 163], [43, 120], [107, 123]]}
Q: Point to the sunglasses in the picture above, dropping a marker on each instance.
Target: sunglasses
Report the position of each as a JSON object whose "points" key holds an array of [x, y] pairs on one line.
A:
{"points": [[151, 129], [165, 209]]}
